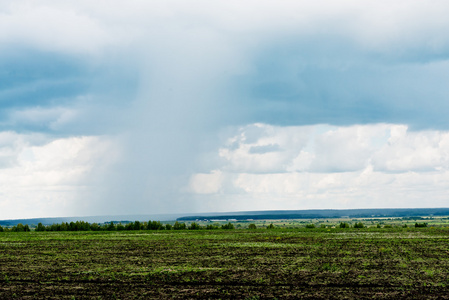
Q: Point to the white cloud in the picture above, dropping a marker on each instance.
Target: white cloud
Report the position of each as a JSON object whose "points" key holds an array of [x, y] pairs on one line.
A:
{"points": [[12, 144], [263, 148], [417, 151], [379, 165], [347, 148], [51, 27], [89, 26], [47, 176], [322, 148]]}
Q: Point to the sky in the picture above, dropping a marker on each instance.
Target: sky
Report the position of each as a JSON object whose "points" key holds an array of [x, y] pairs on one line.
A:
{"points": [[114, 107]]}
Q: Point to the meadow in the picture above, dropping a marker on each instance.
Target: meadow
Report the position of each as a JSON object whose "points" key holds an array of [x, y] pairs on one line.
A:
{"points": [[282, 263]]}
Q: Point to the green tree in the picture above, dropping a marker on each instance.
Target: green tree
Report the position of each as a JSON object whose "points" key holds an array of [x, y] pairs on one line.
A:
{"points": [[70, 227], [137, 225], [344, 225], [271, 226], [111, 227], [129, 226], [179, 226], [19, 228], [155, 225], [194, 226], [95, 227], [359, 225], [227, 226], [65, 226], [40, 227], [252, 226], [83, 226]]}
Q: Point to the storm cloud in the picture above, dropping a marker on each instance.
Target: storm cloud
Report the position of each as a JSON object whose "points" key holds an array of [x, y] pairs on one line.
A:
{"points": [[189, 106]]}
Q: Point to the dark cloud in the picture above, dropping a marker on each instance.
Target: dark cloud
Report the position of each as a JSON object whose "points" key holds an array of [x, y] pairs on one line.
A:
{"points": [[264, 149], [36, 80], [342, 85]]}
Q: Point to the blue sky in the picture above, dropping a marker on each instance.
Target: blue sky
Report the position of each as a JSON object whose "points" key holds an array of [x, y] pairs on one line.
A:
{"points": [[195, 106]]}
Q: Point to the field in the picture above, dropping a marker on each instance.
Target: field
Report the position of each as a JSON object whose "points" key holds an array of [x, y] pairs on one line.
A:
{"points": [[226, 264]]}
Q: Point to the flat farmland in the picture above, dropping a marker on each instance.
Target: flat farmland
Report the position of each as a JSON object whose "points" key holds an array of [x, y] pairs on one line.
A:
{"points": [[226, 264]]}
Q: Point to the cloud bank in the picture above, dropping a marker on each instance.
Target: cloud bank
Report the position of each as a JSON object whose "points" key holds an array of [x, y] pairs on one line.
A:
{"points": [[330, 167]]}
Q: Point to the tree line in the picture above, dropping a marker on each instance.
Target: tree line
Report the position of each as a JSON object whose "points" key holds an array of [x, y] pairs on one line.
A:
{"points": [[17, 228], [156, 225], [115, 226]]}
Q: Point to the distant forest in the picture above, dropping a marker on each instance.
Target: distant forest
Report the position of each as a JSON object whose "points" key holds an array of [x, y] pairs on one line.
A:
{"points": [[242, 216], [324, 213]]}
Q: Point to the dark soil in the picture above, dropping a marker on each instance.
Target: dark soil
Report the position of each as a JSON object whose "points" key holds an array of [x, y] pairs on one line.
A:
{"points": [[223, 264]]}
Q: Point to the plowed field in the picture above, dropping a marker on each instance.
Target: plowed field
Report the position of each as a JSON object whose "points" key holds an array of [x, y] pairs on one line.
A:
{"points": [[221, 264]]}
